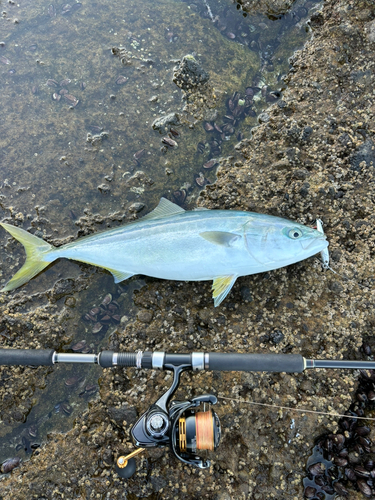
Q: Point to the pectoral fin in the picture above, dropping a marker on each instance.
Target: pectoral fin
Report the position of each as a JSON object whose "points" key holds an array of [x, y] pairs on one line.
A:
{"points": [[221, 287], [221, 238]]}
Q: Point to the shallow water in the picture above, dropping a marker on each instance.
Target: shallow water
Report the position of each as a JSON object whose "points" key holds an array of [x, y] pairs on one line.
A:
{"points": [[53, 179]]}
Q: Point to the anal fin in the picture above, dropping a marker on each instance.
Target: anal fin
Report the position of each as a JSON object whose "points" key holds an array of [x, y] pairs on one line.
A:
{"points": [[221, 286], [120, 275]]}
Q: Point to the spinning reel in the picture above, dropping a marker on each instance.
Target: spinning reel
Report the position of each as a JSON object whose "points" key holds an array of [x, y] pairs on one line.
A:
{"points": [[187, 427]]}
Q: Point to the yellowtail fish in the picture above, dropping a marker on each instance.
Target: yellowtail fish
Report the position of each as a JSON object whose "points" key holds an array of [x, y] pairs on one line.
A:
{"points": [[174, 244]]}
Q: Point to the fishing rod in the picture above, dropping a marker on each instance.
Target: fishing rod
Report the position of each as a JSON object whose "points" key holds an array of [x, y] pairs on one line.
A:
{"points": [[186, 427]]}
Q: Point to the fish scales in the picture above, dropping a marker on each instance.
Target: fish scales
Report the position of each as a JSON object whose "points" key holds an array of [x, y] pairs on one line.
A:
{"points": [[171, 243]]}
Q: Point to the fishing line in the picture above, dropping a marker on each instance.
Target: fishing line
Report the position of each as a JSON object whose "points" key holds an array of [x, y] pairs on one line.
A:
{"points": [[325, 266], [296, 409]]}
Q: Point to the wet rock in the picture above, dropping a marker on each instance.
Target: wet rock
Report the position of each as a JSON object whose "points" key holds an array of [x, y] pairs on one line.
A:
{"points": [[363, 156], [61, 288], [165, 122], [123, 413], [158, 483], [104, 188], [370, 31], [276, 337], [189, 74], [136, 207], [145, 316], [264, 118]]}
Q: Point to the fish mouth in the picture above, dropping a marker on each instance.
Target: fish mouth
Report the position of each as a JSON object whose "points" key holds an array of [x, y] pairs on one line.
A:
{"points": [[318, 243]]}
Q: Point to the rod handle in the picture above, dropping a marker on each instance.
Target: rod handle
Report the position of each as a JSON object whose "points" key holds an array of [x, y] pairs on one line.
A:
{"points": [[23, 357], [290, 363]]}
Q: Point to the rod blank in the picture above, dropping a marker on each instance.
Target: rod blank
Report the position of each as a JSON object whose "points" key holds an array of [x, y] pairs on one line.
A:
{"points": [[249, 362]]}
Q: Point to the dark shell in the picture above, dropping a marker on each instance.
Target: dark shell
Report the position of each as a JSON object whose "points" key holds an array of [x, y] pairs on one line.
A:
{"points": [[71, 100], [66, 9], [361, 471], [174, 132], [350, 474], [138, 155], [217, 128], [338, 439], [364, 487], [249, 92], [201, 147], [121, 79], [88, 317], [340, 489], [82, 85], [91, 389], [34, 90], [10, 464], [52, 83], [63, 91], [116, 318], [369, 464], [210, 164], [231, 35], [79, 346], [4, 60], [66, 408], [107, 300], [371, 395], [169, 142], [316, 469], [340, 461], [179, 196], [94, 311], [97, 327], [70, 382], [201, 180], [64, 82], [33, 431], [310, 492], [113, 307], [208, 127]]}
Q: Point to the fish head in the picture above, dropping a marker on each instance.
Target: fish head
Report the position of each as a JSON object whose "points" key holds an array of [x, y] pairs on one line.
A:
{"points": [[276, 242]]}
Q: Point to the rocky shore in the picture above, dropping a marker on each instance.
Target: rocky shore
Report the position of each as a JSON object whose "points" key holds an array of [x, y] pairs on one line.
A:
{"points": [[313, 156]]}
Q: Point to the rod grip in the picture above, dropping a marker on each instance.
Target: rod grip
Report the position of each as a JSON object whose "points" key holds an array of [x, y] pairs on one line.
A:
{"points": [[290, 363], [23, 357]]}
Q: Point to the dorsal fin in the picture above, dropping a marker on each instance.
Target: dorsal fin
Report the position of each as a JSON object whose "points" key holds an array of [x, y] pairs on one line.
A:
{"points": [[164, 209]]}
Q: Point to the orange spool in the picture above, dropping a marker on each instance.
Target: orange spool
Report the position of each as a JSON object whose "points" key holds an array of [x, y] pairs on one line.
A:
{"points": [[204, 426]]}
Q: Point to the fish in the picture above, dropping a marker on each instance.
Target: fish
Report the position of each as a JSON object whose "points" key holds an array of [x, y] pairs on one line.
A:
{"points": [[175, 244]]}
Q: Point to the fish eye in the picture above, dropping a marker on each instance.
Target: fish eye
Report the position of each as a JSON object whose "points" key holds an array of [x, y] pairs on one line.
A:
{"points": [[295, 233]]}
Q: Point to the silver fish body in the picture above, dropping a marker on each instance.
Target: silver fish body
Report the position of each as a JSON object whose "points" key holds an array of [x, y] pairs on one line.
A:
{"points": [[171, 243]]}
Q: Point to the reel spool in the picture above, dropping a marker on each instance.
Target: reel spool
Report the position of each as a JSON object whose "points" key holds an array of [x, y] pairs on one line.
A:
{"points": [[198, 431]]}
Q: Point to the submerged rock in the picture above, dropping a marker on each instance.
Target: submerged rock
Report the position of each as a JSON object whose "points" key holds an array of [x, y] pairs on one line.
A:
{"points": [[189, 75]]}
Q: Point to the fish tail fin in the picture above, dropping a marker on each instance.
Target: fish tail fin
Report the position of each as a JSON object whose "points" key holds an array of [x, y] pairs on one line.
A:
{"points": [[35, 248]]}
